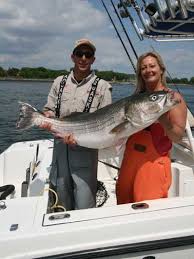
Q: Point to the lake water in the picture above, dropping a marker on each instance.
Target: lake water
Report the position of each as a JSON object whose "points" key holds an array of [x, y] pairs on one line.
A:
{"points": [[36, 93]]}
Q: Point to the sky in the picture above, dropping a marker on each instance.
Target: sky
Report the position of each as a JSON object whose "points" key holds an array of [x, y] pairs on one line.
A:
{"points": [[43, 32]]}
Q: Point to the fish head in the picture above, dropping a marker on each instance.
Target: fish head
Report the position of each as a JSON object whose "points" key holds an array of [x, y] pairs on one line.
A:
{"points": [[146, 108]]}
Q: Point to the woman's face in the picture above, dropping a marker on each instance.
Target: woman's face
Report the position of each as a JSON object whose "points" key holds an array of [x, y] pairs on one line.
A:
{"points": [[151, 72]]}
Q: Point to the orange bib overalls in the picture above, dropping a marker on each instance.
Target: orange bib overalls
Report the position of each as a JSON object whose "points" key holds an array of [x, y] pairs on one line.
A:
{"points": [[145, 174]]}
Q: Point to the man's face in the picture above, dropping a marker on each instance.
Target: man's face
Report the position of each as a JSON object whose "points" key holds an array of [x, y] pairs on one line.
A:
{"points": [[83, 58]]}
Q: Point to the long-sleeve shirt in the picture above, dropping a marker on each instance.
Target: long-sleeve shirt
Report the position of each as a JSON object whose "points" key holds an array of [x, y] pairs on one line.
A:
{"points": [[75, 95]]}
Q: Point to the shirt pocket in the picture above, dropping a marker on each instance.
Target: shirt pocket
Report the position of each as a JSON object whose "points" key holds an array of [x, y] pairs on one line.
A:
{"points": [[66, 95]]}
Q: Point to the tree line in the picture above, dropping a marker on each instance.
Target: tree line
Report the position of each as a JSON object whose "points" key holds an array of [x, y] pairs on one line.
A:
{"points": [[44, 73]]}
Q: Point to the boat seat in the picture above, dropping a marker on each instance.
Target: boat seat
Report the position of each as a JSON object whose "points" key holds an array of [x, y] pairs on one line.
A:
{"points": [[182, 181]]}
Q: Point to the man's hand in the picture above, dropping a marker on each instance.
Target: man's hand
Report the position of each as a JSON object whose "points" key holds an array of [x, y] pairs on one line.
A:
{"points": [[49, 114], [66, 138], [46, 125]]}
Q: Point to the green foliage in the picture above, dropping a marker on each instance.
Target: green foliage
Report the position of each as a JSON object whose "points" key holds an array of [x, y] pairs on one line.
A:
{"points": [[192, 81], [40, 73], [44, 73], [2, 72], [115, 76], [12, 72], [178, 80]]}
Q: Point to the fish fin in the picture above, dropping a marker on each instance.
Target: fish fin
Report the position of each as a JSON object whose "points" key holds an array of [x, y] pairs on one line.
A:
{"points": [[25, 120], [120, 145], [119, 127], [109, 152], [113, 151]]}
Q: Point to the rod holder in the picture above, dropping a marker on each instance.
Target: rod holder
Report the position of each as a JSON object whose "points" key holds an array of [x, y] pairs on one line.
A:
{"points": [[170, 9], [183, 9], [159, 9]]}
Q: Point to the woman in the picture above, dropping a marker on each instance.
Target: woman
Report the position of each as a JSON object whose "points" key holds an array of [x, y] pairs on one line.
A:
{"points": [[146, 167]]}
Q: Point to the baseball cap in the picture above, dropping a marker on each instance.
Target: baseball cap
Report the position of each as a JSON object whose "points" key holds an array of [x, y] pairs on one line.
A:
{"points": [[86, 42]]}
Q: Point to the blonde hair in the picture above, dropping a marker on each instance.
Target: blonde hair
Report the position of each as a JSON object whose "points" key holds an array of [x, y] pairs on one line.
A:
{"points": [[140, 82]]}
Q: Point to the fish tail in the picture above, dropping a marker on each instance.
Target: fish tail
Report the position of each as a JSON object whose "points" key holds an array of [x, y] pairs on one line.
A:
{"points": [[26, 119]]}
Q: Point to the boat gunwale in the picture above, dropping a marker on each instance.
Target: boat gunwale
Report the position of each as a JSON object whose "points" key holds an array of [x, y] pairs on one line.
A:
{"points": [[127, 248]]}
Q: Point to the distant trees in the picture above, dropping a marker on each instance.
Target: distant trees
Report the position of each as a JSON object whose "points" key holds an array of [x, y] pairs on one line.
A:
{"points": [[115, 76], [44, 73], [40, 73], [13, 72], [178, 80], [2, 72], [192, 80]]}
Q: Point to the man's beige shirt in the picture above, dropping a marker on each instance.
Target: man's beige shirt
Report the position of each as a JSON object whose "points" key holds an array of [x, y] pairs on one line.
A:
{"points": [[75, 95]]}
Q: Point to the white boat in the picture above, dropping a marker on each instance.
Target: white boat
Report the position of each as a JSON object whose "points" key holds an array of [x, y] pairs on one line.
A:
{"points": [[151, 229]]}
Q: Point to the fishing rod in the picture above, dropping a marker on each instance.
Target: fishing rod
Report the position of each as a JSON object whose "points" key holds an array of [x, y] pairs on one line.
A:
{"points": [[131, 20], [130, 42], [131, 61], [137, 8], [144, 2]]}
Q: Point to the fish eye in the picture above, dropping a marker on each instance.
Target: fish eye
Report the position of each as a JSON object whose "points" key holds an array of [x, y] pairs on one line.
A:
{"points": [[153, 97]]}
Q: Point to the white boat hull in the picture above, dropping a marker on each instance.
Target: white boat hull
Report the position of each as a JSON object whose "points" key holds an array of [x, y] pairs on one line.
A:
{"points": [[162, 229]]}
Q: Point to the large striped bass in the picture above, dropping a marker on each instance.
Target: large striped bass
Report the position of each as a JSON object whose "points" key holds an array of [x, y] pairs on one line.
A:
{"points": [[105, 127]]}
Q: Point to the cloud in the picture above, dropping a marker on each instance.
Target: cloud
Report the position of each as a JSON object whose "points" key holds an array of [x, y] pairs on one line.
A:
{"points": [[43, 32], [179, 59]]}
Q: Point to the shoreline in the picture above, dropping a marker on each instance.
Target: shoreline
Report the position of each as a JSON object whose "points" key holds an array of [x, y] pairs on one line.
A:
{"points": [[26, 79], [51, 80]]}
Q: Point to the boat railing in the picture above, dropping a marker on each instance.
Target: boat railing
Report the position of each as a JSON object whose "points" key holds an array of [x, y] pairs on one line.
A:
{"points": [[190, 137], [31, 177], [160, 19]]}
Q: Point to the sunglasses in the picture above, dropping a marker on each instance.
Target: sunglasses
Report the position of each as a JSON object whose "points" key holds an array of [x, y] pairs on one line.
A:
{"points": [[80, 53]]}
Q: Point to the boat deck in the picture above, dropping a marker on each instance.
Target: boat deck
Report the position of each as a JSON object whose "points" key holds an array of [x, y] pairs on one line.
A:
{"points": [[31, 231]]}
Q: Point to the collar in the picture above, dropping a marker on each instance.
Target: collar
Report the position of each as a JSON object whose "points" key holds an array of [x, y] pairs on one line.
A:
{"points": [[84, 81]]}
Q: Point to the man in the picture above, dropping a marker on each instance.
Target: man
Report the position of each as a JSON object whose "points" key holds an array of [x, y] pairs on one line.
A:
{"points": [[74, 168]]}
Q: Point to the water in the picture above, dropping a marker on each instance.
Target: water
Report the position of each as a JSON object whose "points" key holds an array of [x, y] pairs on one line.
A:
{"points": [[36, 94]]}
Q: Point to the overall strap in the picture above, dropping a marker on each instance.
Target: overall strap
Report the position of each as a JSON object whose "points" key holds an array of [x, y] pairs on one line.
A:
{"points": [[58, 103], [91, 95]]}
